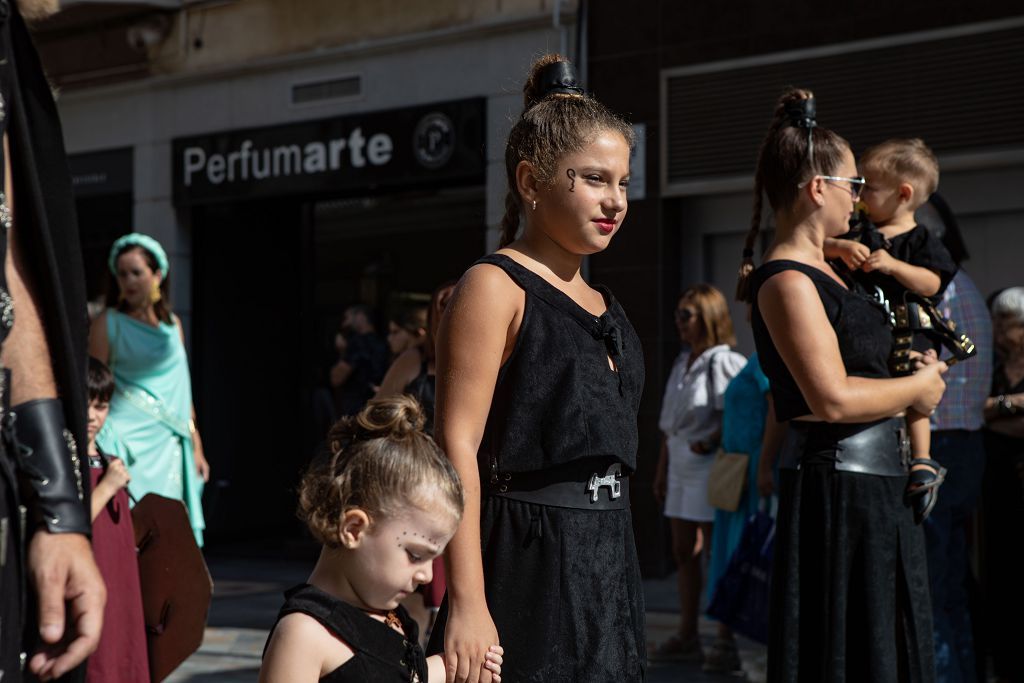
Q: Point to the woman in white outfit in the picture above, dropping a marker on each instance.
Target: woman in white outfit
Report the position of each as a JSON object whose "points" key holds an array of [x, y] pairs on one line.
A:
{"points": [[691, 420]]}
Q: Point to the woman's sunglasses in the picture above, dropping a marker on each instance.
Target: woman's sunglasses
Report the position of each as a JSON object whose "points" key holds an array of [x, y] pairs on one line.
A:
{"points": [[684, 315]]}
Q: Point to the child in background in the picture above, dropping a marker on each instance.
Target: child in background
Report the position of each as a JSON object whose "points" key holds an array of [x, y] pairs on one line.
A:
{"points": [[121, 656], [900, 176], [384, 504]]}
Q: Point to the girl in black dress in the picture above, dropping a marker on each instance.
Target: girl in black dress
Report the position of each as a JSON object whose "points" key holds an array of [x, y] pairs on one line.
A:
{"points": [[850, 585], [539, 377], [384, 505]]}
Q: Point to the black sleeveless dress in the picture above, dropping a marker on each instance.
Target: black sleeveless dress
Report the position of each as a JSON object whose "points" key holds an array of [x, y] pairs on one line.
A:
{"points": [[562, 584], [381, 653], [850, 598]]}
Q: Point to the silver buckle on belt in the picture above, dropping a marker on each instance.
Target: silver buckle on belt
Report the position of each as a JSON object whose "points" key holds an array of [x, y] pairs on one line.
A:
{"points": [[610, 479]]}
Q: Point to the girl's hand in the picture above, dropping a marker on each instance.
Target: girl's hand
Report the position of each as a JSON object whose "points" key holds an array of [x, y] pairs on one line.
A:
{"points": [[494, 662], [933, 386], [116, 476], [202, 467], [468, 640]]}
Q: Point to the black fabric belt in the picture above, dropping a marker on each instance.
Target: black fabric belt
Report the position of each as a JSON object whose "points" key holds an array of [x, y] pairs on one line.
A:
{"points": [[881, 448], [584, 486]]}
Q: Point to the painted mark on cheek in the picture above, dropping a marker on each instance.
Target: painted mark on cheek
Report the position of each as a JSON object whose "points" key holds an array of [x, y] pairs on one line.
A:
{"points": [[571, 172]]}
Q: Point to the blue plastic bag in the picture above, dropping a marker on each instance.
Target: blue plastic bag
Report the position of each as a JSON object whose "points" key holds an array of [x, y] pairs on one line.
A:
{"points": [[742, 595]]}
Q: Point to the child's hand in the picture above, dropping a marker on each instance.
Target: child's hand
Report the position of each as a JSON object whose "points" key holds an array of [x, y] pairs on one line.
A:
{"points": [[116, 475], [494, 661], [879, 260], [853, 254]]}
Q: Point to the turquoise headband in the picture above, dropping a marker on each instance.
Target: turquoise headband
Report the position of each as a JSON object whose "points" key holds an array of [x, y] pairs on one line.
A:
{"points": [[137, 239]]}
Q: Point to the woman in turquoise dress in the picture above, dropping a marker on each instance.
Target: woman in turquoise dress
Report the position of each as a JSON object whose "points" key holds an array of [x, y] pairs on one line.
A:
{"points": [[748, 423], [152, 421]]}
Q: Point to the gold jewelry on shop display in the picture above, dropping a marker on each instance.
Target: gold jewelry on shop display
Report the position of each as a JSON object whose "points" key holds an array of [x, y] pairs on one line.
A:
{"points": [[155, 295]]}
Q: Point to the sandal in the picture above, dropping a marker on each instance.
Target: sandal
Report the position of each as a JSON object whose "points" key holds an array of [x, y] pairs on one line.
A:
{"points": [[723, 657], [675, 649], [922, 490]]}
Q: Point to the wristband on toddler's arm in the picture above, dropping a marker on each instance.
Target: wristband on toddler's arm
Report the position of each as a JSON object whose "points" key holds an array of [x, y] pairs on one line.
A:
{"points": [[49, 466]]}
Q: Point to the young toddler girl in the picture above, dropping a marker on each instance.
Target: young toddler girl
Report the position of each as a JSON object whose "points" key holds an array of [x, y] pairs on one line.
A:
{"points": [[384, 504]]}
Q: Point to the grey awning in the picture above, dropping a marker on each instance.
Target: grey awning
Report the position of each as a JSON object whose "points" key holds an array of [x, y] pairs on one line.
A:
{"points": [[162, 4]]}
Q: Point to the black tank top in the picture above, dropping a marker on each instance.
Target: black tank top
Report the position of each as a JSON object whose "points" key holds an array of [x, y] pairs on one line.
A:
{"points": [[556, 399], [381, 653], [860, 323], [423, 389]]}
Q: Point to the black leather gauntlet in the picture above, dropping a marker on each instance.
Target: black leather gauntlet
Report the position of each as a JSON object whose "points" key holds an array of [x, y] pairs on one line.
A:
{"points": [[50, 468]]}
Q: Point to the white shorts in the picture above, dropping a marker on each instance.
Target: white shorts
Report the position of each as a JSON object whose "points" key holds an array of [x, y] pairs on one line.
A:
{"points": [[687, 495]]}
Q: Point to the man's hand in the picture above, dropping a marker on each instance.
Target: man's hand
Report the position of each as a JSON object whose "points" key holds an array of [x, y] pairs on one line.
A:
{"points": [[62, 569]]}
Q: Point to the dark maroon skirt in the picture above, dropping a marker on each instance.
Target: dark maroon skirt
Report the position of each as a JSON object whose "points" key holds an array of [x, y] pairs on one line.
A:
{"points": [[121, 656]]}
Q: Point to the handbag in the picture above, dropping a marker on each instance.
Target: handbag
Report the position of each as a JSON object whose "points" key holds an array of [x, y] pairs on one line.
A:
{"points": [[727, 480], [743, 592]]}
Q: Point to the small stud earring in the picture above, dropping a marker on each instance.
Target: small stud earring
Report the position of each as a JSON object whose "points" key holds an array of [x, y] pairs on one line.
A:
{"points": [[534, 204]]}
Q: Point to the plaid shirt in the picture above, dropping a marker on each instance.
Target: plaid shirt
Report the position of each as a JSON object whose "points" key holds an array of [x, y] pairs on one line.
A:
{"points": [[967, 382]]}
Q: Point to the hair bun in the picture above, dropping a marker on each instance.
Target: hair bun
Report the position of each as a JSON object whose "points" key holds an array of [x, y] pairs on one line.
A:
{"points": [[394, 418], [798, 108], [552, 74]]}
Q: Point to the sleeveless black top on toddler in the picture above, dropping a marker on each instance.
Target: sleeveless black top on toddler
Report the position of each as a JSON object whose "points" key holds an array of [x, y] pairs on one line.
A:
{"points": [[382, 654], [562, 581], [850, 597]]}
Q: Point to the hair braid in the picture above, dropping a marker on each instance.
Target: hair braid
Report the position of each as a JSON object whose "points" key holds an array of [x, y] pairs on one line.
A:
{"points": [[510, 221]]}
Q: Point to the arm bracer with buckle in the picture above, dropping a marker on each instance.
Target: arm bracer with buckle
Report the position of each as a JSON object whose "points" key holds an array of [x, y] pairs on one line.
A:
{"points": [[50, 467], [918, 314]]}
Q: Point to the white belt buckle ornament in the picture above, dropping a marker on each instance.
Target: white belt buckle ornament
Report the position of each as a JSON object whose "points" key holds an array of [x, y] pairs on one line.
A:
{"points": [[610, 479]]}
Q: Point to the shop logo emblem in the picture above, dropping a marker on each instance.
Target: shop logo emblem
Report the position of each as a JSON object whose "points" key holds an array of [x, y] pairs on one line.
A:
{"points": [[433, 142]]}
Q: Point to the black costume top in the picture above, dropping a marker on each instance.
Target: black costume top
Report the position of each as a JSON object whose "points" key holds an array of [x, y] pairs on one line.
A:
{"points": [[382, 654], [860, 323], [45, 212], [556, 399], [918, 247]]}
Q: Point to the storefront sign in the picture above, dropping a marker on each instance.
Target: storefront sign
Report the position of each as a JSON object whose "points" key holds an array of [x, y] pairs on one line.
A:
{"points": [[441, 144], [95, 174]]}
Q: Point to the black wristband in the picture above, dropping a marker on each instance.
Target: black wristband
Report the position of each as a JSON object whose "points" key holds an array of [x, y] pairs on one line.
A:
{"points": [[49, 467]]}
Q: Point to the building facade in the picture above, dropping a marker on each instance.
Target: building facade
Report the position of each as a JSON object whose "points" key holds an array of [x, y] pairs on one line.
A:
{"points": [[293, 158]]}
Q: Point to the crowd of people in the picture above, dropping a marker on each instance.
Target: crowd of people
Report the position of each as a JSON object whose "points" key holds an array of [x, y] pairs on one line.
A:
{"points": [[496, 427]]}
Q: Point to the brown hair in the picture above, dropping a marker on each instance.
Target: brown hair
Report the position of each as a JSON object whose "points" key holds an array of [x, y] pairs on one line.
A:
{"points": [[412, 319], [380, 461], [551, 126], [99, 380], [713, 313], [162, 308], [789, 156], [905, 161]]}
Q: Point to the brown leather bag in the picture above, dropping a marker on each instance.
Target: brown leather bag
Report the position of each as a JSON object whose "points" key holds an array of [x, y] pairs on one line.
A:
{"points": [[176, 585]]}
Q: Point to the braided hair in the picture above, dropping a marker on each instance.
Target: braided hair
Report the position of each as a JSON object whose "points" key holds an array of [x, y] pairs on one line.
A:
{"points": [[794, 150]]}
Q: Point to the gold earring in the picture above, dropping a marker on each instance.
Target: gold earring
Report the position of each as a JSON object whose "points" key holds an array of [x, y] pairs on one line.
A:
{"points": [[534, 204], [155, 294]]}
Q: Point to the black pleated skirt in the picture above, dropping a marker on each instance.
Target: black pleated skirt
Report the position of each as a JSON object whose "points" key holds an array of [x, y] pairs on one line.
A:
{"points": [[850, 600], [563, 587]]}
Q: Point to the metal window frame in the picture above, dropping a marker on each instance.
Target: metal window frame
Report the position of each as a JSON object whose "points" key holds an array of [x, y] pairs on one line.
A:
{"points": [[741, 182], [361, 95]]}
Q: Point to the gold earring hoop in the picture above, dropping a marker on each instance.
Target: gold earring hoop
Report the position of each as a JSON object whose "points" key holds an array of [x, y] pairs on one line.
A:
{"points": [[155, 295]]}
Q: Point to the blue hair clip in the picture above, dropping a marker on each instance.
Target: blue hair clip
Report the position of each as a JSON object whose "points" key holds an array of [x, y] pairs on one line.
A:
{"points": [[137, 239]]}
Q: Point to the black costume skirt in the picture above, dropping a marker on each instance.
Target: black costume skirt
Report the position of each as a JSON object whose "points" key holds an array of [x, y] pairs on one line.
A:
{"points": [[563, 587], [850, 600]]}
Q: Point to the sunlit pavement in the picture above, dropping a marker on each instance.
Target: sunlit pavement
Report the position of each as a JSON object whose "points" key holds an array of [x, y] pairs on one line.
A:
{"points": [[247, 595]]}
